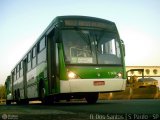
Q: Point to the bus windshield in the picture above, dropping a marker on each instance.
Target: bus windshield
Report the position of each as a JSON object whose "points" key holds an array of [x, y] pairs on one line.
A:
{"points": [[91, 47]]}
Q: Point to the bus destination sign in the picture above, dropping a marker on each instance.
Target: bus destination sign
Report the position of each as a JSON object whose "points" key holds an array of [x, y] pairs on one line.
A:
{"points": [[83, 23]]}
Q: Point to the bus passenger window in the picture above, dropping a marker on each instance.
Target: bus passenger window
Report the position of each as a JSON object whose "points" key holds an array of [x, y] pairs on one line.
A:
{"points": [[29, 57], [15, 74], [29, 61], [41, 50], [17, 68], [42, 44], [34, 52], [34, 57], [21, 68]]}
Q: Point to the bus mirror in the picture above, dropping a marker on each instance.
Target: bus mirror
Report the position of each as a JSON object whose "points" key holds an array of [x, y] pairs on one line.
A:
{"points": [[123, 47]]}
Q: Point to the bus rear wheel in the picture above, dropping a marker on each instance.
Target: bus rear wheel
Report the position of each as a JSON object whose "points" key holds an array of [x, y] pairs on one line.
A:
{"points": [[42, 95], [91, 98], [8, 102]]}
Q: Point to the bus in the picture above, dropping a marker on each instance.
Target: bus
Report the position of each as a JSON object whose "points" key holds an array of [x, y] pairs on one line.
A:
{"points": [[76, 57]]}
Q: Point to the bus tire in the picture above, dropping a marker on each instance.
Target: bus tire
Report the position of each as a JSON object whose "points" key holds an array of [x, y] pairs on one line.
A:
{"points": [[41, 89], [25, 102], [91, 98], [42, 95], [8, 102], [46, 100], [18, 98], [15, 95]]}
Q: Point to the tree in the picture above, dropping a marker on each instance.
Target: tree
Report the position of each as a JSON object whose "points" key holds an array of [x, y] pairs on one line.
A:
{"points": [[2, 92]]}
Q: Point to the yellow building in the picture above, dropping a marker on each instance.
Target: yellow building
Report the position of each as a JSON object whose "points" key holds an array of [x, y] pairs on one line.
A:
{"points": [[149, 71], [138, 93]]}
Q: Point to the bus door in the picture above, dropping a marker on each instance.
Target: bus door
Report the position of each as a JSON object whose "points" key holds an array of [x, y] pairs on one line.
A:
{"points": [[51, 57], [25, 77]]}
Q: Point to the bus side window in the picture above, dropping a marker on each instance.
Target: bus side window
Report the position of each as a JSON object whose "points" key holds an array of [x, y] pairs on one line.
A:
{"points": [[21, 68], [34, 57], [17, 68], [12, 76], [41, 50], [15, 74], [41, 45], [29, 61]]}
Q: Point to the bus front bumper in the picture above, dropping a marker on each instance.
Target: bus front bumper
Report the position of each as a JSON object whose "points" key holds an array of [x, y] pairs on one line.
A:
{"points": [[92, 85]]}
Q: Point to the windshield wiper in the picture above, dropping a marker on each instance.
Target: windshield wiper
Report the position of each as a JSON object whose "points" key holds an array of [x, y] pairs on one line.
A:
{"points": [[97, 40]]}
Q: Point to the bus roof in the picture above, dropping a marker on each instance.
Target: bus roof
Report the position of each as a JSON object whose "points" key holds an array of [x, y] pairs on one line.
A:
{"points": [[80, 17], [85, 21], [74, 20]]}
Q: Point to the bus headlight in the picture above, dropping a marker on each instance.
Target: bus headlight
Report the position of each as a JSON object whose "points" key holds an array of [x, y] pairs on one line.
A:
{"points": [[72, 75]]}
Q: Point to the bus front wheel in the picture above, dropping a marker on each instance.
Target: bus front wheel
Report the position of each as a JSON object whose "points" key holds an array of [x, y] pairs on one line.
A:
{"points": [[91, 98], [46, 100]]}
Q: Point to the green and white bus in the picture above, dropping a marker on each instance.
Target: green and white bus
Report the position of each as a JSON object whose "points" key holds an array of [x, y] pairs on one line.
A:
{"points": [[75, 57]]}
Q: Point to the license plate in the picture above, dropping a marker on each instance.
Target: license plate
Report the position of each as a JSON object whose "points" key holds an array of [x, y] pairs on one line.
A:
{"points": [[98, 83]]}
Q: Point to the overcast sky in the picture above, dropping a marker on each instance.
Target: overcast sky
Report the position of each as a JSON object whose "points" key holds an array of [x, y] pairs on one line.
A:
{"points": [[22, 21]]}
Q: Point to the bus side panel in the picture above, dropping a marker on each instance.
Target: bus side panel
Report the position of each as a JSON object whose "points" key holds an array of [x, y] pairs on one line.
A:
{"points": [[36, 75], [32, 84]]}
